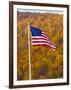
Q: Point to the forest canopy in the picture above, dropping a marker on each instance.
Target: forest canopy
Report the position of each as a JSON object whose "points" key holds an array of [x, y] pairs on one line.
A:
{"points": [[45, 63]]}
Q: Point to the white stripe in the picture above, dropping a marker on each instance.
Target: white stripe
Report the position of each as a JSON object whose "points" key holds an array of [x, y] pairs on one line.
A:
{"points": [[40, 43], [36, 36], [48, 39], [39, 37], [53, 46], [53, 49], [41, 40], [43, 32], [52, 43], [44, 35]]}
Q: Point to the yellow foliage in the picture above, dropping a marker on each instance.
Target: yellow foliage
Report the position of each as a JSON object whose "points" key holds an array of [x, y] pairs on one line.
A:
{"points": [[44, 62]]}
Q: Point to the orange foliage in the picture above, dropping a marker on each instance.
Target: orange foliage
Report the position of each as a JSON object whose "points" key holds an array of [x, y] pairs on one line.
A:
{"points": [[44, 62]]}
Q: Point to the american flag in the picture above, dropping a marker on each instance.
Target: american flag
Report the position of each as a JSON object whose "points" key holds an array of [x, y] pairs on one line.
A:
{"points": [[39, 38]]}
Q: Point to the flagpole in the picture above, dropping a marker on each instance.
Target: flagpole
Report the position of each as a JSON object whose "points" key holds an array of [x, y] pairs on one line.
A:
{"points": [[29, 52]]}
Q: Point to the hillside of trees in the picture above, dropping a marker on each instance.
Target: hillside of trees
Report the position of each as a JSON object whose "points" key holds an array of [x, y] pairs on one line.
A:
{"points": [[45, 63]]}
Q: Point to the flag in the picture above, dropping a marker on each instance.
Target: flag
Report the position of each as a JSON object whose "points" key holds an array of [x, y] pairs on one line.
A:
{"points": [[39, 38]]}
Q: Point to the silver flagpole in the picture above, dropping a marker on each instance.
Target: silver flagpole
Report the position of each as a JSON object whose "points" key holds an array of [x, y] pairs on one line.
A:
{"points": [[29, 52]]}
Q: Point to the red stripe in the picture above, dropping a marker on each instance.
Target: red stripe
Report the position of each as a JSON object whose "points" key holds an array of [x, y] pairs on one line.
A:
{"points": [[37, 40], [47, 41], [44, 36], [43, 45], [44, 39], [41, 42]]}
